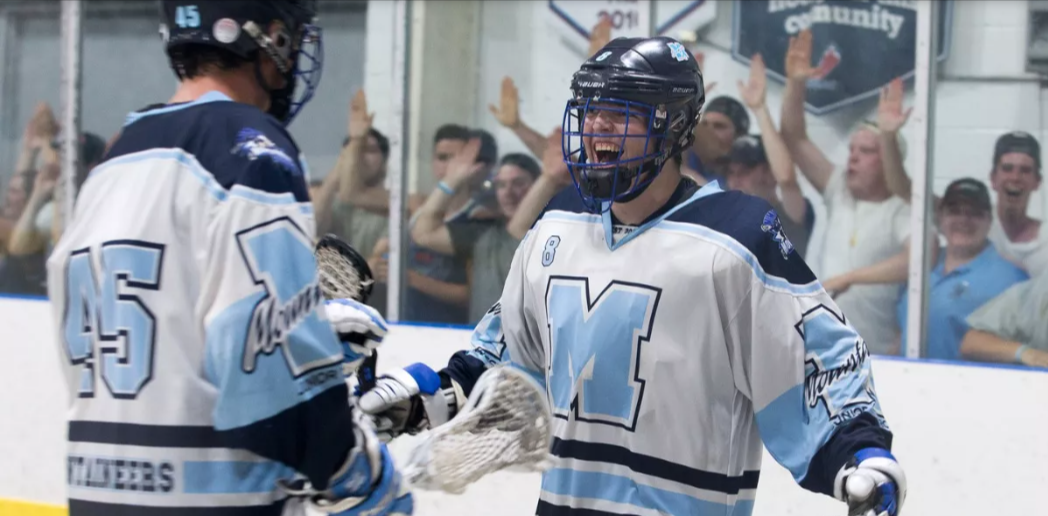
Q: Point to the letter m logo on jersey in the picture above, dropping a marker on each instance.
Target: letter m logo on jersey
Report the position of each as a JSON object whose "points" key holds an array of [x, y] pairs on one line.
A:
{"points": [[597, 345]]}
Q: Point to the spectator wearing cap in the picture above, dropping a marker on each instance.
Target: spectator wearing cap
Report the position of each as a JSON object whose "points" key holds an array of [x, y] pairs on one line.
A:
{"points": [[723, 120], [1011, 328], [1015, 175], [761, 165], [968, 273], [752, 172], [867, 228]]}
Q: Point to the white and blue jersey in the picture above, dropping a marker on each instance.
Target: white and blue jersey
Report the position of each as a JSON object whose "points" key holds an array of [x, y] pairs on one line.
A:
{"points": [[200, 364], [671, 353]]}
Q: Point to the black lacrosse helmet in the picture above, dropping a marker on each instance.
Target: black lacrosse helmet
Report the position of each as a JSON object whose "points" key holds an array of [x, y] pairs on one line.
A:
{"points": [[656, 80], [242, 27]]}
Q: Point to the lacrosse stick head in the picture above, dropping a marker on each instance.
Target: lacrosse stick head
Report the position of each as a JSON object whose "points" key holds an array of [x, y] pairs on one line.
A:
{"points": [[344, 273], [505, 424]]}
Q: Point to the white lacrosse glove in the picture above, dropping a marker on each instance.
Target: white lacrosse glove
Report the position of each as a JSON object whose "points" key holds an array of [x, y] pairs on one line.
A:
{"points": [[359, 327], [872, 483], [409, 401]]}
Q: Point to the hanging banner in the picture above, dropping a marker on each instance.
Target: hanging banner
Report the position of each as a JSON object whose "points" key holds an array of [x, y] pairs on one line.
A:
{"points": [[857, 47], [632, 18]]}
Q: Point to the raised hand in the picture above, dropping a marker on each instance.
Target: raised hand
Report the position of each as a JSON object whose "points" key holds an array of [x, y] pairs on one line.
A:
{"points": [[42, 127], [463, 166], [553, 165], [798, 57], [890, 114], [508, 110], [359, 118], [754, 91], [600, 35]]}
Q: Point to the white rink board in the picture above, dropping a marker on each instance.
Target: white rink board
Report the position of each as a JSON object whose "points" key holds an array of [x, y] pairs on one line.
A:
{"points": [[972, 439]]}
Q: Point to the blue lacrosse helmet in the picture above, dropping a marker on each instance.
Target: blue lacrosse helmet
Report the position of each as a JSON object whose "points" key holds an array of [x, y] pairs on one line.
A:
{"points": [[243, 28], [643, 94]]}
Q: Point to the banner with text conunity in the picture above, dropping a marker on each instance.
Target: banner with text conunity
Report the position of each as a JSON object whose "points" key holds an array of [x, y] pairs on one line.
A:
{"points": [[857, 46], [631, 18]]}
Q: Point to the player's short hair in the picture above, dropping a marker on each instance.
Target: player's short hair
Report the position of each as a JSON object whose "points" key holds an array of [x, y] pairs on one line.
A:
{"points": [[451, 132], [380, 139], [524, 161], [190, 61]]}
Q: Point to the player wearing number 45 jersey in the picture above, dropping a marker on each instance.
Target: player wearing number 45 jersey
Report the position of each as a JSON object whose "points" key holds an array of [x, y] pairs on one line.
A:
{"points": [[674, 328], [204, 371]]}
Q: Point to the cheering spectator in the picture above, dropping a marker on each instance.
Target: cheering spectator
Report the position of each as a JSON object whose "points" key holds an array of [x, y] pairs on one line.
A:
{"points": [[969, 271], [439, 279], [508, 114], [762, 164], [487, 243], [18, 274], [40, 224], [868, 229], [353, 201], [1015, 176], [724, 119], [1011, 328]]}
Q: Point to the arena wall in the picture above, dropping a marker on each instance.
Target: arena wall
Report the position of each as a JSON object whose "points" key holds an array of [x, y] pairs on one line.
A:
{"points": [[970, 437]]}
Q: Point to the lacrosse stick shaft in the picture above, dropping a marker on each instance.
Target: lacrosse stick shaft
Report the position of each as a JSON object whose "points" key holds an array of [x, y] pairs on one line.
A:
{"points": [[366, 373]]}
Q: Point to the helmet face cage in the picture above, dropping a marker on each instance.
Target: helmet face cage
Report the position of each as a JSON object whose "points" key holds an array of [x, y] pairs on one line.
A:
{"points": [[624, 175], [308, 69], [300, 61]]}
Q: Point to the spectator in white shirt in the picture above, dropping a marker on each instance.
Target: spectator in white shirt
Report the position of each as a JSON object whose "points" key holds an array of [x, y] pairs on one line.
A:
{"points": [[867, 227]]}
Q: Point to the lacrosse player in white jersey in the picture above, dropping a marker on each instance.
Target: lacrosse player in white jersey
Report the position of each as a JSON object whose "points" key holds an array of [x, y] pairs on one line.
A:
{"points": [[203, 368], [673, 327]]}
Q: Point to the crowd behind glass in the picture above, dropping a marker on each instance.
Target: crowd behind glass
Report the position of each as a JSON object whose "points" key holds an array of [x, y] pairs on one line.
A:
{"points": [[987, 291]]}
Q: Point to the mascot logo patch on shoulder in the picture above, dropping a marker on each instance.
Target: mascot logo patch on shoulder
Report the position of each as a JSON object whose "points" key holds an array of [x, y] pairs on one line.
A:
{"points": [[252, 144], [773, 226]]}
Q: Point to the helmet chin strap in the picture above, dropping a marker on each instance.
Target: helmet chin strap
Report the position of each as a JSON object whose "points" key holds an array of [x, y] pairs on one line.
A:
{"points": [[650, 167], [279, 103]]}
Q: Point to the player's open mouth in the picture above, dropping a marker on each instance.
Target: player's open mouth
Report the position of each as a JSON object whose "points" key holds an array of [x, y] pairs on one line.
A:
{"points": [[606, 152]]}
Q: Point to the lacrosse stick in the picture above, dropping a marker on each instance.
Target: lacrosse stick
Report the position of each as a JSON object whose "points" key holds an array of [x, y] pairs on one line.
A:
{"points": [[345, 274], [505, 424]]}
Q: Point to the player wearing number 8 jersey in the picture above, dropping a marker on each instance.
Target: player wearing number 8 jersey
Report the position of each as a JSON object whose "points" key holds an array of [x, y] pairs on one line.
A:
{"points": [[674, 328], [201, 361]]}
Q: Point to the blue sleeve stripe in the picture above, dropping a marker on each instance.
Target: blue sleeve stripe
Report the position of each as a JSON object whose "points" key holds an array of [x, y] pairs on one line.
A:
{"points": [[207, 179], [774, 282], [591, 485], [791, 442], [232, 477]]}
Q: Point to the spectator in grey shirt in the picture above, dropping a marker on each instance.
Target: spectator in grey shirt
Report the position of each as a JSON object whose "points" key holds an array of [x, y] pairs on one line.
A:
{"points": [[1012, 328]]}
